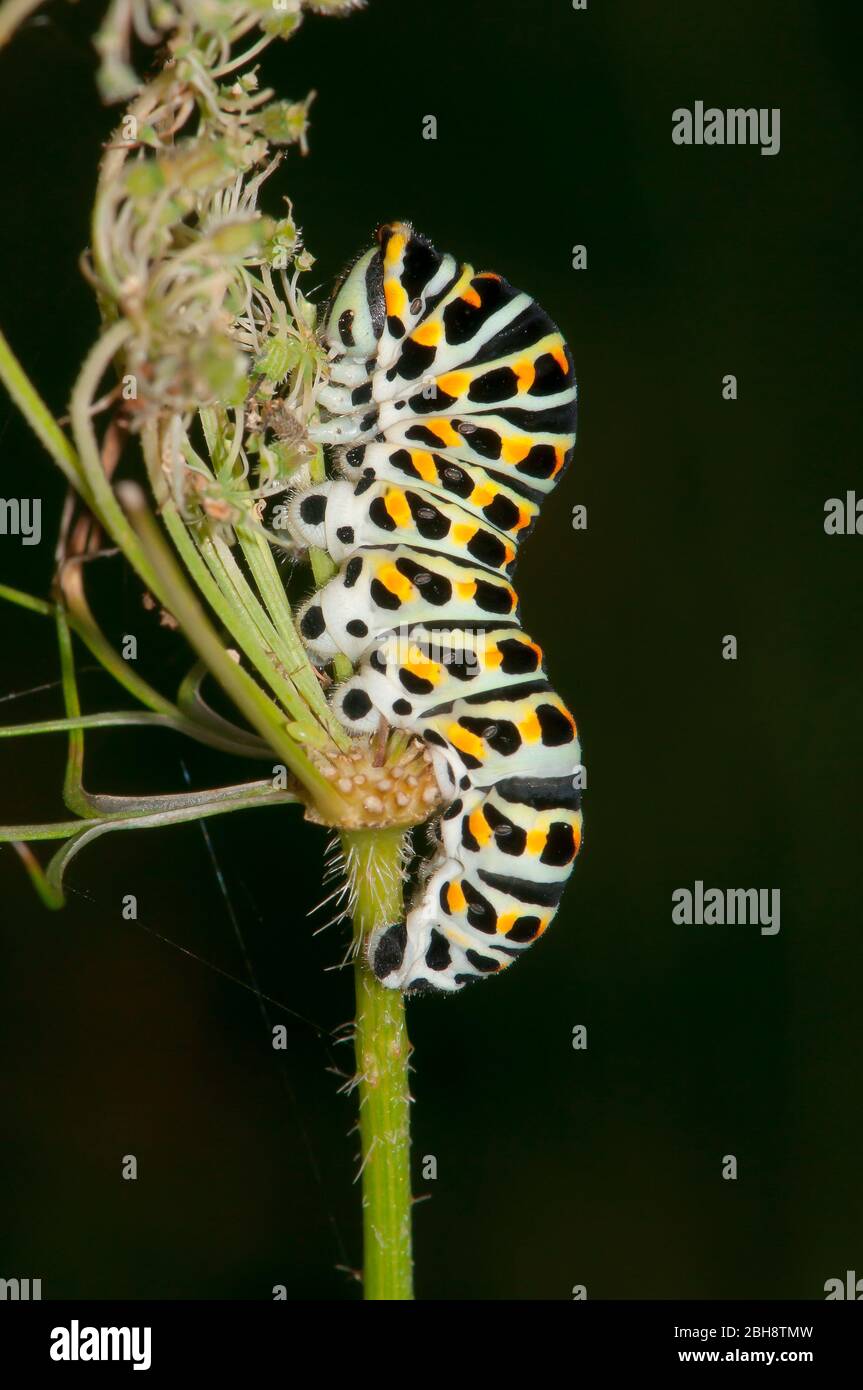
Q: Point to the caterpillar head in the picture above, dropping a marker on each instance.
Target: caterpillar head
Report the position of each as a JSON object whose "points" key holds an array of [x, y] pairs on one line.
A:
{"points": [[356, 317]]}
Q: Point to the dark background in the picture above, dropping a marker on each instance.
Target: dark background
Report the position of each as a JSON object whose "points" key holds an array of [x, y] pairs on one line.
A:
{"points": [[556, 1167]]}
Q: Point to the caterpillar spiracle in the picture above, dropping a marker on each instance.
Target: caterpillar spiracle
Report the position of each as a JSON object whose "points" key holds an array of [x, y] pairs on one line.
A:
{"points": [[451, 404]]}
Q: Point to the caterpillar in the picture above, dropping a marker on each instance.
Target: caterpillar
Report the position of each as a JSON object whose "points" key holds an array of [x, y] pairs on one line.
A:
{"points": [[451, 406]]}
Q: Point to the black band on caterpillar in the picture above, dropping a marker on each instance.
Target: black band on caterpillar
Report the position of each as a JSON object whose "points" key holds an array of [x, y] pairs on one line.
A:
{"points": [[452, 404]]}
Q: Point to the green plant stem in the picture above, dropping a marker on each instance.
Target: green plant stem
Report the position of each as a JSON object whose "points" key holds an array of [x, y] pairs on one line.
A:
{"points": [[382, 1052], [163, 811], [97, 491], [38, 416], [112, 719], [271, 587], [28, 601], [248, 697], [214, 731], [156, 812], [12, 16], [280, 661]]}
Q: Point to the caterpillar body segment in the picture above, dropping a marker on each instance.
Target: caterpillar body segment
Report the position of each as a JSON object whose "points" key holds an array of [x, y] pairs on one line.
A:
{"points": [[493, 891], [451, 406], [415, 669], [508, 504], [379, 589], [335, 517]]}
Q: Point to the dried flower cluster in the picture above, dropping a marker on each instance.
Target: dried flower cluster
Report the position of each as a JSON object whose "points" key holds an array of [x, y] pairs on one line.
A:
{"points": [[219, 358], [206, 284], [223, 22]]}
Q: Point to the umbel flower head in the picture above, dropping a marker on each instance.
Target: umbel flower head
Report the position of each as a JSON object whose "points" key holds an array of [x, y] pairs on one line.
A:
{"points": [[209, 27], [221, 367]]}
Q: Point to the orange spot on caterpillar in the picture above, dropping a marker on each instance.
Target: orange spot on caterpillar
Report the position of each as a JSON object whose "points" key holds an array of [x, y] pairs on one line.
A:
{"points": [[421, 667], [515, 448], [424, 465], [525, 373], [529, 728], [482, 495], [397, 507], [456, 900], [453, 383], [463, 533], [395, 296], [465, 741], [559, 355], [428, 334], [479, 827], [396, 582], [444, 431], [395, 249]]}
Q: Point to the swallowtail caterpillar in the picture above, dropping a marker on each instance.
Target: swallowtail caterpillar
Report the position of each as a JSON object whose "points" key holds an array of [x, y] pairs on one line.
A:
{"points": [[450, 408]]}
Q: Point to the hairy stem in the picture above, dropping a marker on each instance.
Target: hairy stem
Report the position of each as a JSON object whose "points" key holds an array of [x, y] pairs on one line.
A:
{"points": [[382, 1052]]}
